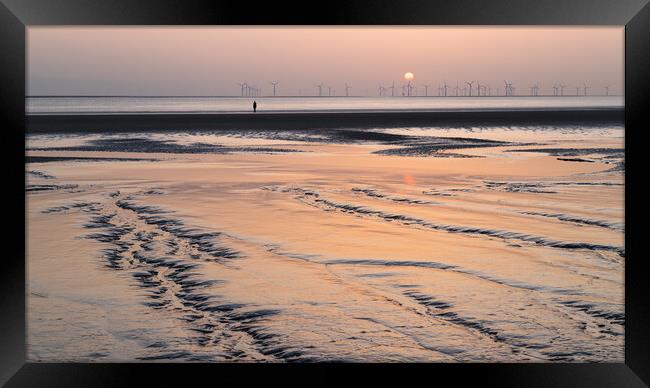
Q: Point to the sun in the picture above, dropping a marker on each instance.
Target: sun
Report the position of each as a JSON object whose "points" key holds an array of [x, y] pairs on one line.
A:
{"points": [[409, 76]]}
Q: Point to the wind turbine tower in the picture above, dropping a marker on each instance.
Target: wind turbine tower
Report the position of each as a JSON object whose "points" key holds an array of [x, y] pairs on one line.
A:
{"points": [[243, 86], [470, 87], [274, 83]]}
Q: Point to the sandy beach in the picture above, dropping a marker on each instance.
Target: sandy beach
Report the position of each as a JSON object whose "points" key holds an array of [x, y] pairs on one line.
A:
{"points": [[364, 236]]}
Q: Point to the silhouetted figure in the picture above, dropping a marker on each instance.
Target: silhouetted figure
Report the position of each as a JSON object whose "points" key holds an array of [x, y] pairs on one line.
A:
{"points": [[254, 106]]}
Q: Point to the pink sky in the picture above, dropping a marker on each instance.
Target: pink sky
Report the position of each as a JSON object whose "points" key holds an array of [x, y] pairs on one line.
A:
{"points": [[211, 60]]}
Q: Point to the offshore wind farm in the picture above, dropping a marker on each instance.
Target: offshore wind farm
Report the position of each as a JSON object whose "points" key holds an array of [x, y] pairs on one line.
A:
{"points": [[411, 89]]}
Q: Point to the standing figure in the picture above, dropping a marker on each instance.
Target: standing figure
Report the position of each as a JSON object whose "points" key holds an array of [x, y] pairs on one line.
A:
{"points": [[254, 106]]}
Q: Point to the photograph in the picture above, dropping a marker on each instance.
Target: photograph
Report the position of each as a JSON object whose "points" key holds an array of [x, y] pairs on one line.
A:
{"points": [[358, 194]]}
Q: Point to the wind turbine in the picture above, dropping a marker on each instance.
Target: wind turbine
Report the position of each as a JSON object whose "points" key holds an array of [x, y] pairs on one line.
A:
{"points": [[470, 87], [320, 89], [243, 86], [586, 87], [507, 87], [444, 85], [329, 91], [426, 89], [392, 89], [347, 90], [562, 86], [382, 90], [456, 88], [606, 90], [274, 83], [555, 89], [408, 88]]}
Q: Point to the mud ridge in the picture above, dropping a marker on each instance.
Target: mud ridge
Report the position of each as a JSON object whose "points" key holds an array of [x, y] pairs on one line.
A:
{"points": [[173, 281], [579, 220], [328, 205]]}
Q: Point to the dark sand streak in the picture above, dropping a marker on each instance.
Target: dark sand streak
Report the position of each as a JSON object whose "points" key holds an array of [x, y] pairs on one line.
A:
{"points": [[311, 198], [72, 123], [159, 275]]}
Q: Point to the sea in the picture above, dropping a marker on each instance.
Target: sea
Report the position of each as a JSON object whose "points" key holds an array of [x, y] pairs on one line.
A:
{"points": [[176, 104]]}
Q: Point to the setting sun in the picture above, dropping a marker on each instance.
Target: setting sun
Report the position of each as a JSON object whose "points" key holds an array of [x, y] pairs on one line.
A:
{"points": [[409, 76]]}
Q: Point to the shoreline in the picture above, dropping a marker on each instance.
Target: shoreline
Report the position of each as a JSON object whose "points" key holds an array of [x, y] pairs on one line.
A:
{"points": [[122, 122]]}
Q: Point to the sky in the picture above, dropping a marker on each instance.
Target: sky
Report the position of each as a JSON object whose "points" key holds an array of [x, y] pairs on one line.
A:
{"points": [[211, 61]]}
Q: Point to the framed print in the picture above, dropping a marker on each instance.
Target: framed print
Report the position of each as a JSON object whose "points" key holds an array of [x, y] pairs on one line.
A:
{"points": [[442, 188]]}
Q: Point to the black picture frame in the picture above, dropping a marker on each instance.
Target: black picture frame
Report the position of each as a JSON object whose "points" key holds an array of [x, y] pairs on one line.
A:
{"points": [[15, 15]]}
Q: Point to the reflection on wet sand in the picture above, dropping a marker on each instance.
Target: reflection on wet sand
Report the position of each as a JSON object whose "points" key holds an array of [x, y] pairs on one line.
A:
{"points": [[404, 244]]}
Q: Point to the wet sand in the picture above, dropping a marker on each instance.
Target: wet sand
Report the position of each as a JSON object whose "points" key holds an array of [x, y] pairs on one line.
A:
{"points": [[481, 244], [47, 123]]}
